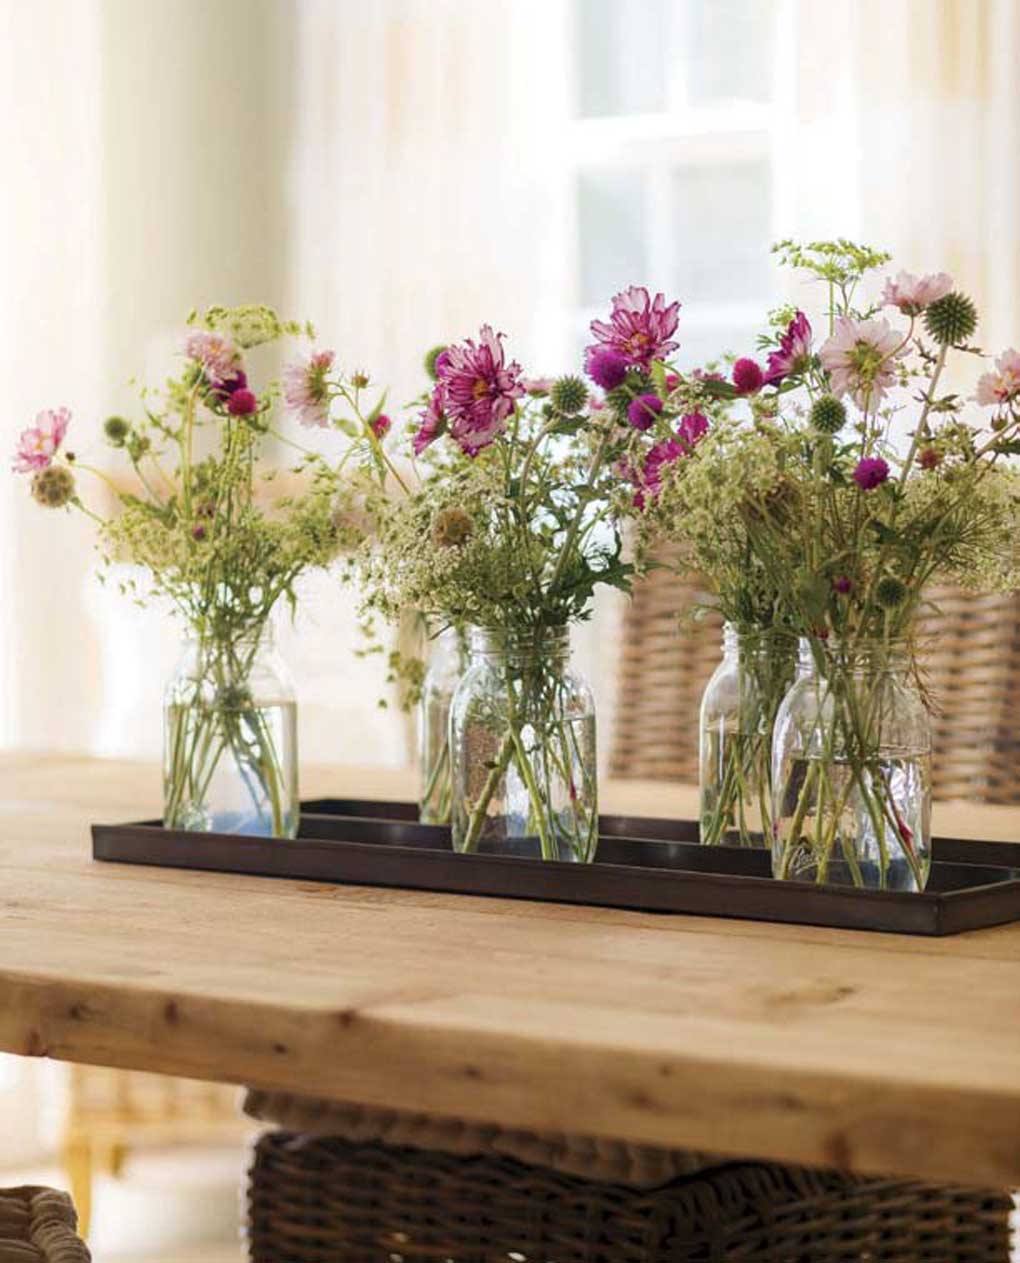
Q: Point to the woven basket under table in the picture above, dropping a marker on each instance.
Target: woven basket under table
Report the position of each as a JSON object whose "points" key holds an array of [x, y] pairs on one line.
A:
{"points": [[328, 1200], [39, 1225]]}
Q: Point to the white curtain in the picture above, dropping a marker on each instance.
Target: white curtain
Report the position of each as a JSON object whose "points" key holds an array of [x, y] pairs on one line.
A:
{"points": [[425, 195], [903, 129]]}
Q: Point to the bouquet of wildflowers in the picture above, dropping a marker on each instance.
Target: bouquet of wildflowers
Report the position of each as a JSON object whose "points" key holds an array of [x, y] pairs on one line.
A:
{"points": [[508, 532], [858, 481], [682, 521], [197, 513]]}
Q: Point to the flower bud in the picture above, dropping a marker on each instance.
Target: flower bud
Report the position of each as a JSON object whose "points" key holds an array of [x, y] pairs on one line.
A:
{"points": [[53, 487]]}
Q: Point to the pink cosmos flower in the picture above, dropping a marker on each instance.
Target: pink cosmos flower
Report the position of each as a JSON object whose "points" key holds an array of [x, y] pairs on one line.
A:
{"points": [[433, 424], [911, 294], [794, 354], [537, 386], [861, 359], [306, 388], [38, 445], [1003, 385], [692, 427], [381, 425], [640, 328], [659, 457], [477, 390], [219, 358], [647, 480]]}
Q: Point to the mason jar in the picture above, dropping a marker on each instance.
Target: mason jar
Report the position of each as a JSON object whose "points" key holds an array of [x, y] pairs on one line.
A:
{"points": [[738, 707], [230, 739], [522, 748], [447, 660], [851, 769]]}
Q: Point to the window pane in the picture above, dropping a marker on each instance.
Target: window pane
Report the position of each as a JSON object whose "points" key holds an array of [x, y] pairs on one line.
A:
{"points": [[721, 232], [726, 48], [611, 224], [621, 69]]}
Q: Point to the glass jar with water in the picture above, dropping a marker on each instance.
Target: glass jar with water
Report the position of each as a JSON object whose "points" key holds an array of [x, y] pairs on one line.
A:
{"points": [[230, 739], [851, 769], [522, 748]]}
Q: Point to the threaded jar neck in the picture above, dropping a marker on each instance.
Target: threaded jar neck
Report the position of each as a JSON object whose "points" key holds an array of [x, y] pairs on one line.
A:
{"points": [[539, 644]]}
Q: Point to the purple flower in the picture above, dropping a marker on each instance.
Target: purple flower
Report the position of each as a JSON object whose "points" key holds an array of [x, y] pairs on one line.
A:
{"points": [[748, 377], [242, 403], [843, 585], [477, 389], [433, 424], [640, 328], [693, 427], [606, 368], [223, 390], [794, 354], [662, 455], [870, 473], [381, 425], [643, 411]]}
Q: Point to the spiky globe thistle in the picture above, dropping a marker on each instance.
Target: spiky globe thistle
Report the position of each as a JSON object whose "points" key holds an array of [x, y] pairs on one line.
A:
{"points": [[430, 361], [53, 487], [116, 430], [890, 592], [568, 395], [828, 415], [952, 319]]}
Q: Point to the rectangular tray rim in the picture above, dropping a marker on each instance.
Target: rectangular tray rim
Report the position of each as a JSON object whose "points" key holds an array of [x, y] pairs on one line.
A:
{"points": [[937, 913]]}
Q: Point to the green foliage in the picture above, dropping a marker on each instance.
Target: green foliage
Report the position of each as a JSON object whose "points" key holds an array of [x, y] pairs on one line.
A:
{"points": [[514, 539], [203, 519]]}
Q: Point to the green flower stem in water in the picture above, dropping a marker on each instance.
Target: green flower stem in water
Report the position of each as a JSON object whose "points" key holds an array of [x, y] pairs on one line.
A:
{"points": [[864, 789]]}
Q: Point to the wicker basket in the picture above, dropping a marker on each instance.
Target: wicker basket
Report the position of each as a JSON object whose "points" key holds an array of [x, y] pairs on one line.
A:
{"points": [[972, 659], [38, 1225], [663, 668], [327, 1200]]}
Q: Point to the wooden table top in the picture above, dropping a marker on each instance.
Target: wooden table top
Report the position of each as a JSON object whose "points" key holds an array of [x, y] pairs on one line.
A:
{"points": [[863, 1051]]}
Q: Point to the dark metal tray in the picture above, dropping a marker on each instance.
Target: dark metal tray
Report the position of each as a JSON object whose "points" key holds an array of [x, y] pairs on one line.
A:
{"points": [[645, 864]]}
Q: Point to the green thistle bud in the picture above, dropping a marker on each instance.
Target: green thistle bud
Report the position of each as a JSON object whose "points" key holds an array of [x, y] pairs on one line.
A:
{"points": [[53, 487], [452, 528], [828, 415], [890, 592], [116, 430], [568, 395], [952, 319], [430, 360]]}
